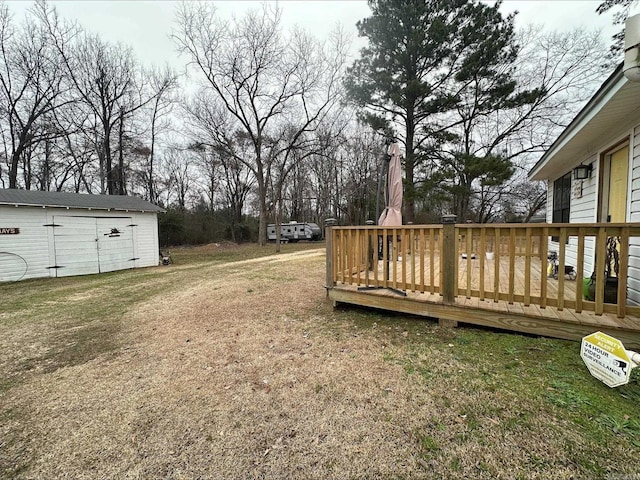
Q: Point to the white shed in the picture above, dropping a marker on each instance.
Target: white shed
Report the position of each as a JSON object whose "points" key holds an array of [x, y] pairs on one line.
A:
{"points": [[58, 234]]}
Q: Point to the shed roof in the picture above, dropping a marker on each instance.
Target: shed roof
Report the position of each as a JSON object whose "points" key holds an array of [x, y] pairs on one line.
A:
{"points": [[33, 198]]}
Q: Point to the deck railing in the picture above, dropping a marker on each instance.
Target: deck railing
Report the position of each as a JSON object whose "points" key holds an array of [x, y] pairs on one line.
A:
{"points": [[490, 262]]}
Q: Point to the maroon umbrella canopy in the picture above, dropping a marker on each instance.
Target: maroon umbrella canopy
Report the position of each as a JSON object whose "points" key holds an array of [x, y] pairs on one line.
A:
{"points": [[392, 215]]}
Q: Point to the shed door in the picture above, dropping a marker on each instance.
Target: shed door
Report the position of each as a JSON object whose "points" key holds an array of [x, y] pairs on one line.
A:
{"points": [[115, 244], [86, 245], [75, 246], [618, 186]]}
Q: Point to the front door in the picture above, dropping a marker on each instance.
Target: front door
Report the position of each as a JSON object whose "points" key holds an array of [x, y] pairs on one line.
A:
{"points": [[618, 174], [616, 208]]}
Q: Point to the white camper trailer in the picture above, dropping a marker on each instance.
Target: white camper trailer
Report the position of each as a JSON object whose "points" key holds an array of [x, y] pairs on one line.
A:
{"points": [[294, 232]]}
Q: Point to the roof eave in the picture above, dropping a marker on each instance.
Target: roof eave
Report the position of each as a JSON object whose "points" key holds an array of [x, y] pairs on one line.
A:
{"points": [[67, 207]]}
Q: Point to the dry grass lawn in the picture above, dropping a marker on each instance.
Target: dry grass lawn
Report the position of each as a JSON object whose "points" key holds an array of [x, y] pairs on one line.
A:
{"points": [[221, 368]]}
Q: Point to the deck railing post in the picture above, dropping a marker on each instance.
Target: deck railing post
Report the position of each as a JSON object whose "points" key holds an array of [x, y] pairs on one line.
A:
{"points": [[370, 223], [328, 235], [448, 261]]}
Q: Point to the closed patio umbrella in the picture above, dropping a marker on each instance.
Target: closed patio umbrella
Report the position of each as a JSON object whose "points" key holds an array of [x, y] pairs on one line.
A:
{"points": [[392, 215]]}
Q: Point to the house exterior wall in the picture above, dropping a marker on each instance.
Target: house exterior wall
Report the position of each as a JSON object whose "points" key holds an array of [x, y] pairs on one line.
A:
{"points": [[584, 209], [32, 252], [634, 216], [584, 200]]}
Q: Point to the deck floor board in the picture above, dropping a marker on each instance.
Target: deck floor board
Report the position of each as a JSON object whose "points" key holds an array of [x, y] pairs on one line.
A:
{"points": [[537, 268]]}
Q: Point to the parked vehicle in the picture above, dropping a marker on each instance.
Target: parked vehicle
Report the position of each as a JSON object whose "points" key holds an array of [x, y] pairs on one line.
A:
{"points": [[294, 232]]}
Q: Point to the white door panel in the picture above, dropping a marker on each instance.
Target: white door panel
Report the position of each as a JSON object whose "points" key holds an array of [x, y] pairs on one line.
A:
{"points": [[115, 244], [86, 245], [75, 246]]}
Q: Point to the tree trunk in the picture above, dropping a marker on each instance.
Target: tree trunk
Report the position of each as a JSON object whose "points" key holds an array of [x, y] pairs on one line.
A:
{"points": [[15, 161], [27, 174], [262, 229], [152, 195], [409, 165], [103, 170], [150, 187], [262, 224], [13, 170], [46, 167], [278, 223], [121, 186], [110, 171]]}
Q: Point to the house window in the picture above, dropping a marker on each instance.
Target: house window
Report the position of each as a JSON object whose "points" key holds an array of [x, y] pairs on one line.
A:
{"points": [[561, 200]]}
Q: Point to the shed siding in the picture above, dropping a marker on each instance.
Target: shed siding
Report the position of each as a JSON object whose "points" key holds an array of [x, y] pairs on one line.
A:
{"points": [[146, 232], [75, 245], [25, 255], [146, 248], [36, 245]]}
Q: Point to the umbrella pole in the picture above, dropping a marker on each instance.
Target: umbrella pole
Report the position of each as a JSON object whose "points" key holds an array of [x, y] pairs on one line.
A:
{"points": [[387, 194], [386, 160], [384, 170], [380, 177]]}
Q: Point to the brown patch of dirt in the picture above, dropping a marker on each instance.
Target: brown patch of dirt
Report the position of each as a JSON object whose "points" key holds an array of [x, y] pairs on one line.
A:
{"points": [[209, 247]]}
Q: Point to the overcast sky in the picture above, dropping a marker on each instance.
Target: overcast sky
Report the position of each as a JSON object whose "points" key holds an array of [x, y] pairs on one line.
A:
{"points": [[146, 25]]}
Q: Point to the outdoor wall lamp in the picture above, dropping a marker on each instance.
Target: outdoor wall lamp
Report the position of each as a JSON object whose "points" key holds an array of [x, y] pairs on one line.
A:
{"points": [[582, 172]]}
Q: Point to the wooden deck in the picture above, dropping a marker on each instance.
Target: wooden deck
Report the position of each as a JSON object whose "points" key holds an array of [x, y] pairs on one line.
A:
{"points": [[516, 294]]}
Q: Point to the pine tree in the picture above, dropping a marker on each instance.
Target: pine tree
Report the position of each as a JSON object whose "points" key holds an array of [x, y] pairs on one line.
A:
{"points": [[421, 56], [622, 9]]}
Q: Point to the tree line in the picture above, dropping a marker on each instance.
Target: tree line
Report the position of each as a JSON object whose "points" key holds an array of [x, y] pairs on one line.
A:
{"points": [[274, 124]]}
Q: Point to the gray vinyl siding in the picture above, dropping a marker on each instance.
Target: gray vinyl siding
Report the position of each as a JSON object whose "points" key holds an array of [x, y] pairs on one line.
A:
{"points": [[634, 216]]}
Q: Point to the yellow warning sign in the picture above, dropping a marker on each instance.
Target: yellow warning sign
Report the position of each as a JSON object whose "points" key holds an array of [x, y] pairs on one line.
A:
{"points": [[606, 359]]}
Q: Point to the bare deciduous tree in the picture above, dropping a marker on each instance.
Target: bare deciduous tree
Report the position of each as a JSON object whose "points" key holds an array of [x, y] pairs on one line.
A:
{"points": [[32, 87], [178, 174], [162, 84], [555, 73], [108, 81], [276, 88]]}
